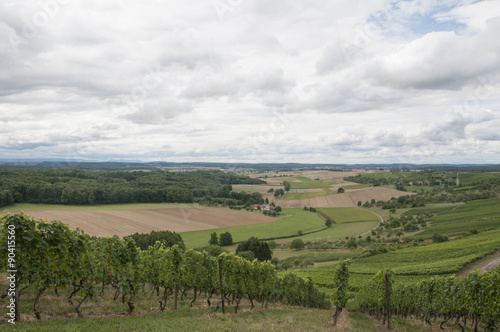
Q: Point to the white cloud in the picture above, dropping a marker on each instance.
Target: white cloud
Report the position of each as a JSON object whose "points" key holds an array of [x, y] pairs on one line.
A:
{"points": [[315, 81]]}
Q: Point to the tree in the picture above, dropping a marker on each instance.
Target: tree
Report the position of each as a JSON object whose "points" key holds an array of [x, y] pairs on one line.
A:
{"points": [[226, 239], [287, 185], [260, 249], [328, 222], [359, 203], [297, 244], [263, 252], [213, 239], [340, 190], [278, 209]]}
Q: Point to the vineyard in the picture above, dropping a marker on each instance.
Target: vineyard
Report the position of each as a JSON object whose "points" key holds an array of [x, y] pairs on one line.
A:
{"points": [[51, 256], [475, 298]]}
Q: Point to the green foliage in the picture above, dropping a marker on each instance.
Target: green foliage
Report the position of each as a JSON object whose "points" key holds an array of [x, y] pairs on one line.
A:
{"points": [[169, 238], [477, 296], [226, 239], [78, 187], [340, 284], [52, 255], [248, 255], [432, 259], [438, 238], [297, 244], [260, 249], [340, 190], [286, 184], [215, 250], [372, 296], [214, 240]]}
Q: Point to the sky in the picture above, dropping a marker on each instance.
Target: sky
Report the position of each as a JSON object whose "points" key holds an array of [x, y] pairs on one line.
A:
{"points": [[253, 81]]}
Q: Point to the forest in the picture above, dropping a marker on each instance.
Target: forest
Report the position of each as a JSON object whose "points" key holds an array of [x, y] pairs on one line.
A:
{"points": [[80, 187]]}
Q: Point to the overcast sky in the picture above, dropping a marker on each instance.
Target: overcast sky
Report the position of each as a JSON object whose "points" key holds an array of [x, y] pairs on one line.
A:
{"points": [[251, 81]]}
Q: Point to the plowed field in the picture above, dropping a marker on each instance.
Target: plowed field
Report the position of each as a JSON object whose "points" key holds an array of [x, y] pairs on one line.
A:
{"points": [[126, 222], [376, 193]]}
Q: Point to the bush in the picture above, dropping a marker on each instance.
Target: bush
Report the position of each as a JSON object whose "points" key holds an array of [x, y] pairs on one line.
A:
{"points": [[272, 244], [215, 250], [297, 244], [437, 238]]}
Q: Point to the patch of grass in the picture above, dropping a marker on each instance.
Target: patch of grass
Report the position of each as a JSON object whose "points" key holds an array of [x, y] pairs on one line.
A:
{"points": [[349, 214], [287, 319], [360, 322]]}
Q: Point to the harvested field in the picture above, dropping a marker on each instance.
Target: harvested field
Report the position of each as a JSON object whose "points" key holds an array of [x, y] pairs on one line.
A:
{"points": [[336, 200], [376, 193], [126, 222], [300, 191], [330, 176]]}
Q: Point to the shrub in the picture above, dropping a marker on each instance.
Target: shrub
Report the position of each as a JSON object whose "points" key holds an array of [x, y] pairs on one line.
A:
{"points": [[297, 244]]}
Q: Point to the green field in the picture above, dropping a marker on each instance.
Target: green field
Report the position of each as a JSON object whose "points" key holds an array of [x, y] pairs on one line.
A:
{"points": [[349, 214], [456, 229], [306, 183], [290, 224], [433, 259], [340, 231], [467, 179], [306, 195]]}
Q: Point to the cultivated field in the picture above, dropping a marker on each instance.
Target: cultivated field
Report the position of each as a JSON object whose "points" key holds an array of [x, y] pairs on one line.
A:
{"points": [[335, 200], [125, 222], [376, 193]]}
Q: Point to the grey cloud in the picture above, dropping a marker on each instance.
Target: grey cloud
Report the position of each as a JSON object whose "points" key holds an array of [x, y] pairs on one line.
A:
{"points": [[158, 112], [440, 60]]}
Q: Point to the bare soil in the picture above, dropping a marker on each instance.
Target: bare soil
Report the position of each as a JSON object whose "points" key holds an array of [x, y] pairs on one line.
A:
{"points": [[126, 222]]}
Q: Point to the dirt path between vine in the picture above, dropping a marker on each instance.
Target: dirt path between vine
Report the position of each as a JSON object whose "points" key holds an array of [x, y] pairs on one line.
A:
{"points": [[485, 264]]}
